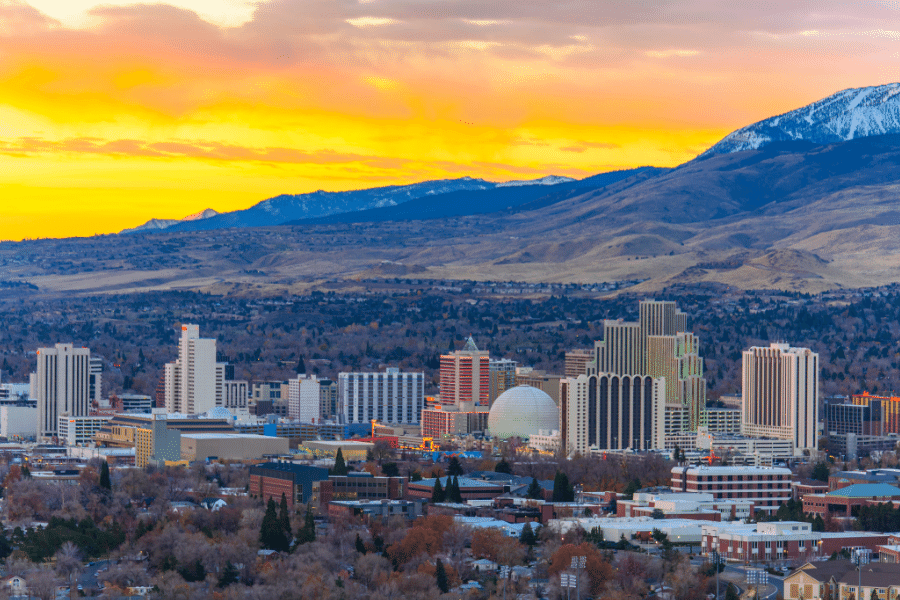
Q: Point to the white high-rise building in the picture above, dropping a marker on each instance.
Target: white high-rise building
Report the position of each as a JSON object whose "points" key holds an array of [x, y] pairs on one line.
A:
{"points": [[612, 412], [194, 383], [96, 379], [62, 385], [780, 396], [389, 397], [234, 396], [303, 401]]}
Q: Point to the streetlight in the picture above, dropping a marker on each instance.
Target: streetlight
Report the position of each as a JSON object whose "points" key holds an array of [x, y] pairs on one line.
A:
{"points": [[757, 577], [568, 581], [717, 559], [504, 574], [860, 557], [578, 563]]}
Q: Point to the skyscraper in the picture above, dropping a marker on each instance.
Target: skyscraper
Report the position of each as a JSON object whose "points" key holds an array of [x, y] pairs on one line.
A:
{"points": [[389, 397], [612, 412], [62, 385], [780, 396], [303, 403], [465, 378], [502, 377], [194, 383]]}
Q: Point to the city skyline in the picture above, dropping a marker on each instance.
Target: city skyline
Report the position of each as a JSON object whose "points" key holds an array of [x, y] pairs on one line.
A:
{"points": [[116, 114]]}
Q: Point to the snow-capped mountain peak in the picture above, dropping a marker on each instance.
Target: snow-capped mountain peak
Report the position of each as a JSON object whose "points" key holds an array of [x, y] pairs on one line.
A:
{"points": [[846, 115]]}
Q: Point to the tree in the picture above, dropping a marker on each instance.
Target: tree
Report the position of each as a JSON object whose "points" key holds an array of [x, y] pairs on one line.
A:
{"points": [[437, 493], [104, 476], [527, 537], [453, 492], [301, 367], [454, 467], [307, 533], [535, 492], [390, 469], [360, 546], [820, 472], [271, 533], [633, 486], [284, 518], [340, 467], [440, 575], [503, 467], [230, 575], [657, 514], [598, 570], [731, 592], [562, 489]]}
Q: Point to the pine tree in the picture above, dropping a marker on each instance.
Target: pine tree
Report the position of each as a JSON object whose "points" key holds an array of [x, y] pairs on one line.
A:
{"points": [[284, 518], [301, 367], [104, 476], [534, 490], [438, 494], [633, 486], [820, 472], [454, 468], [440, 575], [455, 495], [230, 575], [730, 592], [307, 533], [562, 489], [340, 467], [360, 546], [503, 467], [528, 537], [271, 534]]}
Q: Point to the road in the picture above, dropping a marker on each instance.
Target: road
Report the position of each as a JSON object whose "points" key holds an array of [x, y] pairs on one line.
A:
{"points": [[737, 574]]}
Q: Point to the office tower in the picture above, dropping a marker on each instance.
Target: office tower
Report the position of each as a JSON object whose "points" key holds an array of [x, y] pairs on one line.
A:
{"points": [[62, 385], [657, 345], [502, 377], [780, 396], [465, 378], [577, 361], [546, 382], [303, 399], [889, 409], [95, 382], [389, 397], [612, 412], [328, 398], [194, 382], [235, 394]]}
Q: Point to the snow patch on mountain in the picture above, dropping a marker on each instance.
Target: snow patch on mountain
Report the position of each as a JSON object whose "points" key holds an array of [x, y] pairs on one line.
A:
{"points": [[846, 115]]}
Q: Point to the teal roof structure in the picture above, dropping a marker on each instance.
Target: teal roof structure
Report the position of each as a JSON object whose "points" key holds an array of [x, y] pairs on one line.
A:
{"points": [[866, 490]]}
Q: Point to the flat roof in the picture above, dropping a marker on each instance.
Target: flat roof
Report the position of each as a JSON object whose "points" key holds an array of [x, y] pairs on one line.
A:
{"points": [[227, 436]]}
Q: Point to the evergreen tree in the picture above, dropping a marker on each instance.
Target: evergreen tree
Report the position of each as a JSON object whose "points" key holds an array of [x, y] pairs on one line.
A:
{"points": [[340, 467], [284, 518], [454, 468], [438, 494], [534, 490], [455, 495], [440, 575], [26, 472], [562, 489], [820, 472], [633, 486], [360, 547], [503, 467], [528, 538], [730, 592], [271, 534], [104, 476], [301, 367], [230, 575], [307, 533], [390, 469]]}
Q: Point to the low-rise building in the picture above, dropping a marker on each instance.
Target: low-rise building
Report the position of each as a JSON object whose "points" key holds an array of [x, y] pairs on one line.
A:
{"points": [[272, 479], [841, 502], [469, 489], [80, 430], [684, 505], [230, 446], [357, 486], [411, 509], [766, 487]]}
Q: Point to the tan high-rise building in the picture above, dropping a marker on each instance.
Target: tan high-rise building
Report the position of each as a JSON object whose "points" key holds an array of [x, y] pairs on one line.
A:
{"points": [[194, 383], [62, 384], [780, 394], [465, 378], [577, 361], [620, 350], [503, 376]]}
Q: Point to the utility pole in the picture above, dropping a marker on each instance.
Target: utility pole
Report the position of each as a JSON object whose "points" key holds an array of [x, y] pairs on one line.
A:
{"points": [[578, 563]]}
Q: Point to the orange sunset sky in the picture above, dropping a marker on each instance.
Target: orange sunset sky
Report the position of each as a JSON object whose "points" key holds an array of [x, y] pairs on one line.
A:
{"points": [[114, 113]]}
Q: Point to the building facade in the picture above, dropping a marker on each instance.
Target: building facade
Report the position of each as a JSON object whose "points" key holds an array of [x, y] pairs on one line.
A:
{"points": [[62, 385], [465, 378], [502, 377], [304, 401], [194, 382], [235, 394], [389, 397], [271, 480], [767, 487], [609, 412]]}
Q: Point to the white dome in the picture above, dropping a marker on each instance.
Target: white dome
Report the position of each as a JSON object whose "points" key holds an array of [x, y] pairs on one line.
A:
{"points": [[522, 412], [219, 412]]}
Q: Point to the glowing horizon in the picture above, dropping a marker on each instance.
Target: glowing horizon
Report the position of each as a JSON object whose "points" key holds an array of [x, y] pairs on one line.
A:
{"points": [[112, 114]]}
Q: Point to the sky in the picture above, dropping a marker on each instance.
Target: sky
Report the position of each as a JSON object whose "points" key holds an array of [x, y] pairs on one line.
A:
{"points": [[117, 112]]}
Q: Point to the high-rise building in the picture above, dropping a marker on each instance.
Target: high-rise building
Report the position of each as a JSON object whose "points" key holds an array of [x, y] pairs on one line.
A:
{"points": [[96, 380], [888, 411], [657, 345], [303, 402], [780, 395], [328, 398], [389, 397], [465, 378], [194, 382], [62, 385], [612, 412], [503, 376], [235, 394], [577, 361], [546, 382]]}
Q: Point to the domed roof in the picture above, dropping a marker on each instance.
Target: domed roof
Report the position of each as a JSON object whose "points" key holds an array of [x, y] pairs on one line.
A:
{"points": [[219, 412], [521, 412]]}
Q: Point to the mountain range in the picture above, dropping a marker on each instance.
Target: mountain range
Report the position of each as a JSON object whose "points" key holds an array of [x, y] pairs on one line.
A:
{"points": [[808, 201]]}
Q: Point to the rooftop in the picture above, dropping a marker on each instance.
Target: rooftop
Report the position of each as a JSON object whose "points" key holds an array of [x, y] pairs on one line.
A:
{"points": [[866, 490]]}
